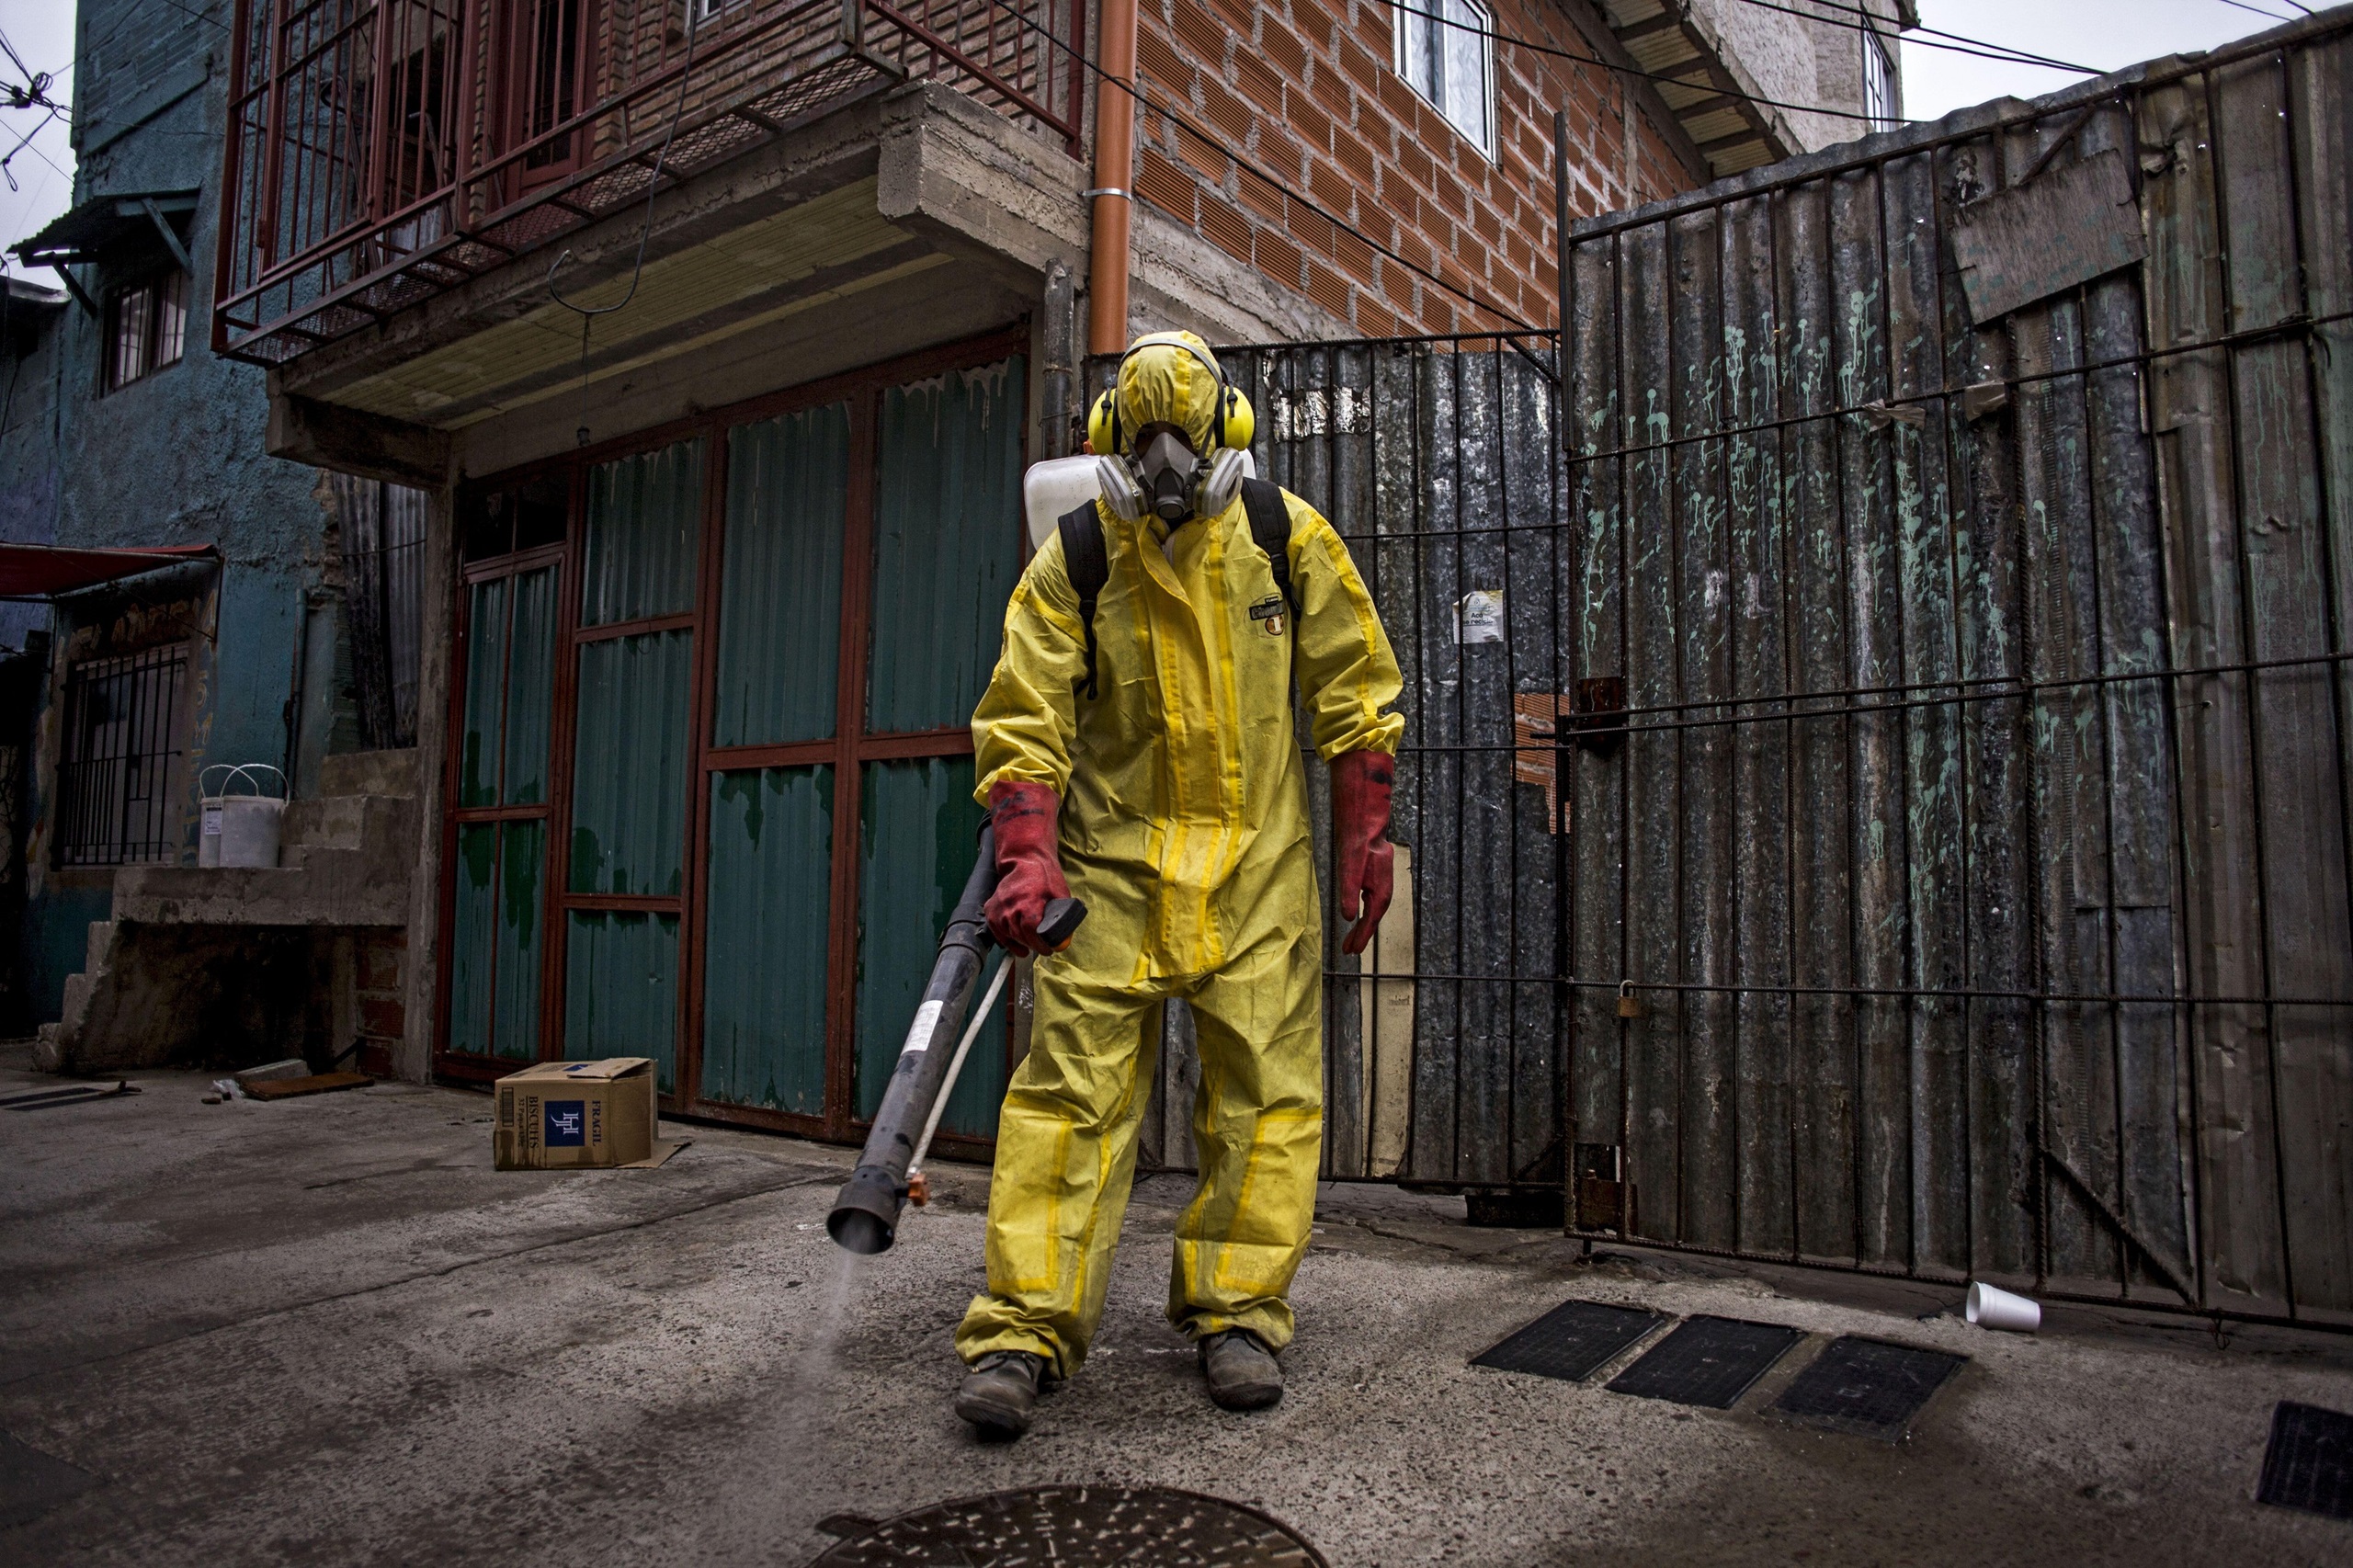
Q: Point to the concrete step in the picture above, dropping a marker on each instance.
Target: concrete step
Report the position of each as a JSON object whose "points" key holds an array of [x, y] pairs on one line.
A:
{"points": [[327, 886], [333, 819], [97, 945], [392, 773]]}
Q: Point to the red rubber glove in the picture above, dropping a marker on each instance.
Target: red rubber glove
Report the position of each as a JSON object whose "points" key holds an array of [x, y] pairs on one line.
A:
{"points": [[1361, 782], [1030, 867]]}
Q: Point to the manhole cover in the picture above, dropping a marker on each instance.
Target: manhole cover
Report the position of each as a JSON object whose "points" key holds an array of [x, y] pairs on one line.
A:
{"points": [[1076, 1527]]}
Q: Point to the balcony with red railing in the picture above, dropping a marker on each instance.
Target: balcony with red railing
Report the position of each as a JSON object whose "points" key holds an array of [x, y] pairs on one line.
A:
{"points": [[383, 152]]}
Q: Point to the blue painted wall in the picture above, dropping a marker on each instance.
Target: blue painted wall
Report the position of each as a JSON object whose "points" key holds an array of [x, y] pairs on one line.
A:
{"points": [[178, 458]]}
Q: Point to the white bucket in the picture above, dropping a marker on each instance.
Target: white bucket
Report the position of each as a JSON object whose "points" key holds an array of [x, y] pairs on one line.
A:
{"points": [[240, 830], [1989, 1308]]}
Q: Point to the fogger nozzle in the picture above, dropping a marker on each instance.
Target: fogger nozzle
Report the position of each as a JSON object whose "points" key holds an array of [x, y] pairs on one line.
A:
{"points": [[866, 1216]]}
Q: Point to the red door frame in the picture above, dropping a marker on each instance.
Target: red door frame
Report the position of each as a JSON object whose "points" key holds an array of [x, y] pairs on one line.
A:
{"points": [[845, 750]]}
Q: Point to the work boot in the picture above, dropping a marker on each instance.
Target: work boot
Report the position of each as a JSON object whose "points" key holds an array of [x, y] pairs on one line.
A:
{"points": [[1243, 1373], [999, 1391]]}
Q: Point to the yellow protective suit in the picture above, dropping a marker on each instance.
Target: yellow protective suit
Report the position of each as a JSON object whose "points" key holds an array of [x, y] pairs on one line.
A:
{"points": [[1184, 828]]}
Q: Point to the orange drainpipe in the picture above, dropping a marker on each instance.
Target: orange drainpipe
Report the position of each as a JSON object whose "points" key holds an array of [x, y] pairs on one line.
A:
{"points": [[1115, 153]]}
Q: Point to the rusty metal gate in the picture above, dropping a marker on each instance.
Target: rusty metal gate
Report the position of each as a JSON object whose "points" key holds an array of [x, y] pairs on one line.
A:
{"points": [[1876, 787]]}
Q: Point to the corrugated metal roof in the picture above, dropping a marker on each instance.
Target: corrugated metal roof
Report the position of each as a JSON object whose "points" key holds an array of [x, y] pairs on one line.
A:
{"points": [[947, 543], [764, 977], [478, 743], [644, 515], [629, 767], [530, 688], [494, 957], [623, 997], [780, 624]]}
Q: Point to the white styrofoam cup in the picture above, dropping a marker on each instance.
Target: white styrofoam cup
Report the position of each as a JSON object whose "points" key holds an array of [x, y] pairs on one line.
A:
{"points": [[1990, 1308]]}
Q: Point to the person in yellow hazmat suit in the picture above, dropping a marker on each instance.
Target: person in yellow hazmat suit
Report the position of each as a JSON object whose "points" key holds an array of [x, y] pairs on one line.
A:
{"points": [[1136, 749]]}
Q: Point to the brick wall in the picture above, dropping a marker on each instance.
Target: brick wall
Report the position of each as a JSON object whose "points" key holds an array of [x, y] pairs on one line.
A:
{"points": [[1306, 92]]}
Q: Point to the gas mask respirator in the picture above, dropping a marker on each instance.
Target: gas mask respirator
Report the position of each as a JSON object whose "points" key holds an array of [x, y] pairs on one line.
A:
{"points": [[1166, 479], [1167, 471]]}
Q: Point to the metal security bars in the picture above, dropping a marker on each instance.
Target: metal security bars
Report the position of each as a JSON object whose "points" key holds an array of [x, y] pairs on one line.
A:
{"points": [[381, 151], [382, 530], [1879, 775], [119, 779]]}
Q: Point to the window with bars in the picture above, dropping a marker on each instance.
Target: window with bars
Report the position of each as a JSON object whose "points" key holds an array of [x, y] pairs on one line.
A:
{"points": [[146, 329], [119, 779], [550, 62], [1442, 53]]}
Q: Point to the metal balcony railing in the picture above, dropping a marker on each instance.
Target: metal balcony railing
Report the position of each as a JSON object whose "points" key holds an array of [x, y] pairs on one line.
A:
{"points": [[380, 152]]}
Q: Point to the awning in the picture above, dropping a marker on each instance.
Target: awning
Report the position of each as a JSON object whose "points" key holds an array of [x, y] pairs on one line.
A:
{"points": [[43, 571], [108, 225]]}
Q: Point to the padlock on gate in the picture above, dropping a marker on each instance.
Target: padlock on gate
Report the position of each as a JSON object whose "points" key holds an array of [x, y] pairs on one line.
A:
{"points": [[1628, 1004]]}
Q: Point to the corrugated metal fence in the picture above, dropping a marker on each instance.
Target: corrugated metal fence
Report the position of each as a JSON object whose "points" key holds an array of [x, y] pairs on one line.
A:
{"points": [[1876, 782]]}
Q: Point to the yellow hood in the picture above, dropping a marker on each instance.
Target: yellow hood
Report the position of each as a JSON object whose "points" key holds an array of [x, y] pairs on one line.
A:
{"points": [[1161, 383]]}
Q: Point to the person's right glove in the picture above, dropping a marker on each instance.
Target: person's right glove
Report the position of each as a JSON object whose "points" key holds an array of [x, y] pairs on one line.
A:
{"points": [[1361, 782], [1029, 864]]}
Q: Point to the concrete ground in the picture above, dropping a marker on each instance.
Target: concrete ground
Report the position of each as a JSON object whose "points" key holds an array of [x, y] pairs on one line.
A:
{"points": [[326, 1330]]}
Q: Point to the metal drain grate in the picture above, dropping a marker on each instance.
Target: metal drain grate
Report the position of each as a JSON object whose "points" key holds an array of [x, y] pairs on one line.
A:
{"points": [[1076, 1525], [1868, 1387], [1707, 1361], [2310, 1462], [1572, 1342]]}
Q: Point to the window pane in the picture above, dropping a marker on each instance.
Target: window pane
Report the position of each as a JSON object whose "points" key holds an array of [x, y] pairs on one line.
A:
{"points": [[630, 765], [1416, 58], [919, 833], [640, 560], [769, 909], [947, 543], [530, 687], [623, 992], [170, 319], [780, 619], [478, 744], [1464, 100], [127, 359]]}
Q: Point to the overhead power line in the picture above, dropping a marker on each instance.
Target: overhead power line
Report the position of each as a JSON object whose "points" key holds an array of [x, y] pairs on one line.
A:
{"points": [[1867, 21], [1666, 78], [1212, 138]]}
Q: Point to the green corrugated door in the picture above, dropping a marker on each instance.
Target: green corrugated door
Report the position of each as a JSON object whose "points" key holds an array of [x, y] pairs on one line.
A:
{"points": [[500, 866], [629, 776], [767, 908], [947, 511]]}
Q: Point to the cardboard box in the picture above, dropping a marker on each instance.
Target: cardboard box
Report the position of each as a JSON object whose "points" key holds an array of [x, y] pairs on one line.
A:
{"points": [[579, 1116]]}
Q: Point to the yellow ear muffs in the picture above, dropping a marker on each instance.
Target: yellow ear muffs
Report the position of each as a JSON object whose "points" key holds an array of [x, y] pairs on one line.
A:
{"points": [[1238, 421], [1103, 425]]}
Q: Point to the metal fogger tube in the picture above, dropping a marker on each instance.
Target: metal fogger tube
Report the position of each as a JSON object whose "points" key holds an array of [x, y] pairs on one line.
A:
{"points": [[866, 1216]]}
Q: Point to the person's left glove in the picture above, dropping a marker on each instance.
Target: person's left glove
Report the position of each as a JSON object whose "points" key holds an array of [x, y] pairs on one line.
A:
{"points": [[1365, 872], [1029, 864]]}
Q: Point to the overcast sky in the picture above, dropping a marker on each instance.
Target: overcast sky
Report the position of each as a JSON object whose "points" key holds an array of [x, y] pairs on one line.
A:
{"points": [[2100, 34]]}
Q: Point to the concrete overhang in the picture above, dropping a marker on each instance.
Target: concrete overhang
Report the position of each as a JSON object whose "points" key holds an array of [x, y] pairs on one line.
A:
{"points": [[899, 222]]}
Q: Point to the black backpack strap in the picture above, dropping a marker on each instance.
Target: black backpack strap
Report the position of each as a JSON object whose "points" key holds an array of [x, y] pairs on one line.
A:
{"points": [[1270, 527], [1088, 563]]}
